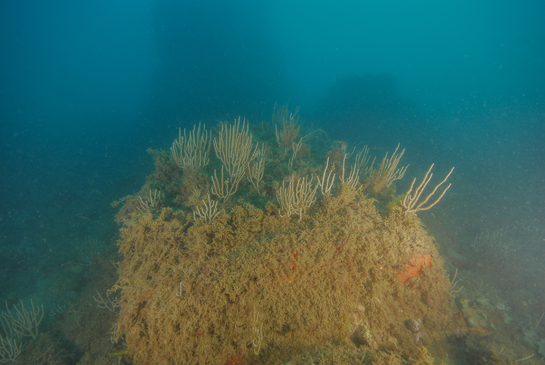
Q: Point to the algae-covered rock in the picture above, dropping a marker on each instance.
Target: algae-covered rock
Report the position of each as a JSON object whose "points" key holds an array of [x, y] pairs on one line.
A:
{"points": [[255, 286]]}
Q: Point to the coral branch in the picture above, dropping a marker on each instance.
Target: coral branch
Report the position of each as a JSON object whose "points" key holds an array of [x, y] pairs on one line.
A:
{"points": [[191, 152], [209, 211], [297, 197], [234, 148], [410, 201]]}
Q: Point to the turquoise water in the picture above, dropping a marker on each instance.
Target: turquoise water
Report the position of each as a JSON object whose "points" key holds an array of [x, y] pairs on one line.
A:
{"points": [[85, 90]]}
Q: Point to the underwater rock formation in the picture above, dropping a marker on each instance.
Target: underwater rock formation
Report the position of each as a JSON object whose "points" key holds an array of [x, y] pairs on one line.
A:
{"points": [[253, 285]]}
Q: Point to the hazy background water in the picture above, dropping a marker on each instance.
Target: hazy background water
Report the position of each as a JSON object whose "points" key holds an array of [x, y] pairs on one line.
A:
{"points": [[86, 88]]}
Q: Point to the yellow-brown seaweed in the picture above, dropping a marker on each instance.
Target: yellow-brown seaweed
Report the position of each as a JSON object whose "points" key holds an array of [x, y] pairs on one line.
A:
{"points": [[256, 286]]}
